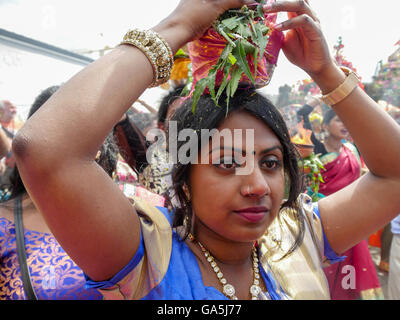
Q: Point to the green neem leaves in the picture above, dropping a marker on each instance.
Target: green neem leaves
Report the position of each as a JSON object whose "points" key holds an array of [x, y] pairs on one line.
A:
{"points": [[315, 167], [198, 91], [240, 53]]}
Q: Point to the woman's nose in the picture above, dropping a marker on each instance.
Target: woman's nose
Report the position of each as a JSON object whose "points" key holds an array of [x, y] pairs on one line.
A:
{"points": [[255, 184]]}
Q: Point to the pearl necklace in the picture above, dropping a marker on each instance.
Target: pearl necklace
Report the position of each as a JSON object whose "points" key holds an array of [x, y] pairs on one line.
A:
{"points": [[228, 289]]}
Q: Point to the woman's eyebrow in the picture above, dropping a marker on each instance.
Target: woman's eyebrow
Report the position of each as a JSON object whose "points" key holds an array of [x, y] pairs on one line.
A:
{"points": [[271, 149], [228, 148]]}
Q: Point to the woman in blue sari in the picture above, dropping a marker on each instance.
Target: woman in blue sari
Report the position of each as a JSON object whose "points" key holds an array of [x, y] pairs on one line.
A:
{"points": [[54, 275], [244, 241]]}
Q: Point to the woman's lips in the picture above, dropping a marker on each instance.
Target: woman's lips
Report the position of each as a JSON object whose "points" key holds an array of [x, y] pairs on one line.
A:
{"points": [[253, 214]]}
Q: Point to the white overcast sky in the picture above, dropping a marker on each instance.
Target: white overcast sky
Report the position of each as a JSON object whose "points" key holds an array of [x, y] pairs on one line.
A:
{"points": [[369, 28]]}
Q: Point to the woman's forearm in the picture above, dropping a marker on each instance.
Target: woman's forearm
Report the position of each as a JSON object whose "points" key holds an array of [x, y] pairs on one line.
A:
{"points": [[376, 134], [95, 98]]}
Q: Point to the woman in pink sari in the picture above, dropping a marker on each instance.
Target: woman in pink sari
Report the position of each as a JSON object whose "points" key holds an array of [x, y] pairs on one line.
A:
{"points": [[355, 277], [341, 160]]}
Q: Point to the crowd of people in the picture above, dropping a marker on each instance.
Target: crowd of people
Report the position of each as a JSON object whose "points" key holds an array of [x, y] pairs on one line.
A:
{"points": [[92, 210]]}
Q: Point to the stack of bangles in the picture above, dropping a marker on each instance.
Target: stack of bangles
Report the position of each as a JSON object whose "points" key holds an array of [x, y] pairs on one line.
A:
{"points": [[157, 51]]}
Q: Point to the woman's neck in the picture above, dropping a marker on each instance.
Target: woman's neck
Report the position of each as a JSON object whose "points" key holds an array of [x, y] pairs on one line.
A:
{"points": [[333, 144], [226, 252]]}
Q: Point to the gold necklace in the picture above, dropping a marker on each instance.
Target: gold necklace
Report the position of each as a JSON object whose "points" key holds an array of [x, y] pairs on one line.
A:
{"points": [[228, 289]]}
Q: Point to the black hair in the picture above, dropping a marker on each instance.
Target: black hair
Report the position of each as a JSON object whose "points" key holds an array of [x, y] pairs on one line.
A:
{"points": [[208, 116], [107, 160], [328, 116], [108, 155], [166, 102], [41, 99]]}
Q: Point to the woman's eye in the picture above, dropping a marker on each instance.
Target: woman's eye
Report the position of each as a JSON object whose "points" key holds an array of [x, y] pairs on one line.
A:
{"points": [[271, 164], [227, 163]]}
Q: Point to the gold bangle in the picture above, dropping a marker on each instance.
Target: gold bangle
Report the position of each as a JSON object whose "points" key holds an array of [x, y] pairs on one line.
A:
{"points": [[350, 83], [156, 50]]}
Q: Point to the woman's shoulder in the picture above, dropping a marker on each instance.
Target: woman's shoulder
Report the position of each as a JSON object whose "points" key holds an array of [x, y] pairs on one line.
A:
{"points": [[293, 225], [328, 157], [302, 267], [304, 207], [352, 148], [291, 222], [161, 250]]}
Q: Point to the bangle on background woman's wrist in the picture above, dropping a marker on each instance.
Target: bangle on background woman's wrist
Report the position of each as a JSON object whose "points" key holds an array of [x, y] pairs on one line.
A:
{"points": [[156, 50]]}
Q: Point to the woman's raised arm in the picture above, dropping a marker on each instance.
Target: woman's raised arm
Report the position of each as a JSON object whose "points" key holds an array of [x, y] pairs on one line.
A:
{"points": [[55, 149], [353, 213]]}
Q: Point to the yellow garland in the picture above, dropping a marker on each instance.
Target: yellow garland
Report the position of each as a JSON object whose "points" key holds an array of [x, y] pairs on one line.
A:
{"points": [[180, 69]]}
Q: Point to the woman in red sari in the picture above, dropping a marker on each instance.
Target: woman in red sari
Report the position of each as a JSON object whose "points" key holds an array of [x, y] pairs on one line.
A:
{"points": [[340, 159], [355, 277]]}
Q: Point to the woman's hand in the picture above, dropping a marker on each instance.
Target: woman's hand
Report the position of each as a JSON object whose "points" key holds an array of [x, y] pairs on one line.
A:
{"points": [[304, 44], [193, 17]]}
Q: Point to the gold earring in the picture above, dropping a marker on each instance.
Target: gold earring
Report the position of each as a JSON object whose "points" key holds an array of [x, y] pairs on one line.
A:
{"points": [[186, 222], [186, 191], [98, 155]]}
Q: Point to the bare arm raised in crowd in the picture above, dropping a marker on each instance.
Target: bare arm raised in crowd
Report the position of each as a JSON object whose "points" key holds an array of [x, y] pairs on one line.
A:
{"points": [[89, 215]]}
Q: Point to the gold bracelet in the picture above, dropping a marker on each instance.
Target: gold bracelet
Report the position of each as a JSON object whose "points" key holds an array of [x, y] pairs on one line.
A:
{"points": [[350, 83], [156, 50]]}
